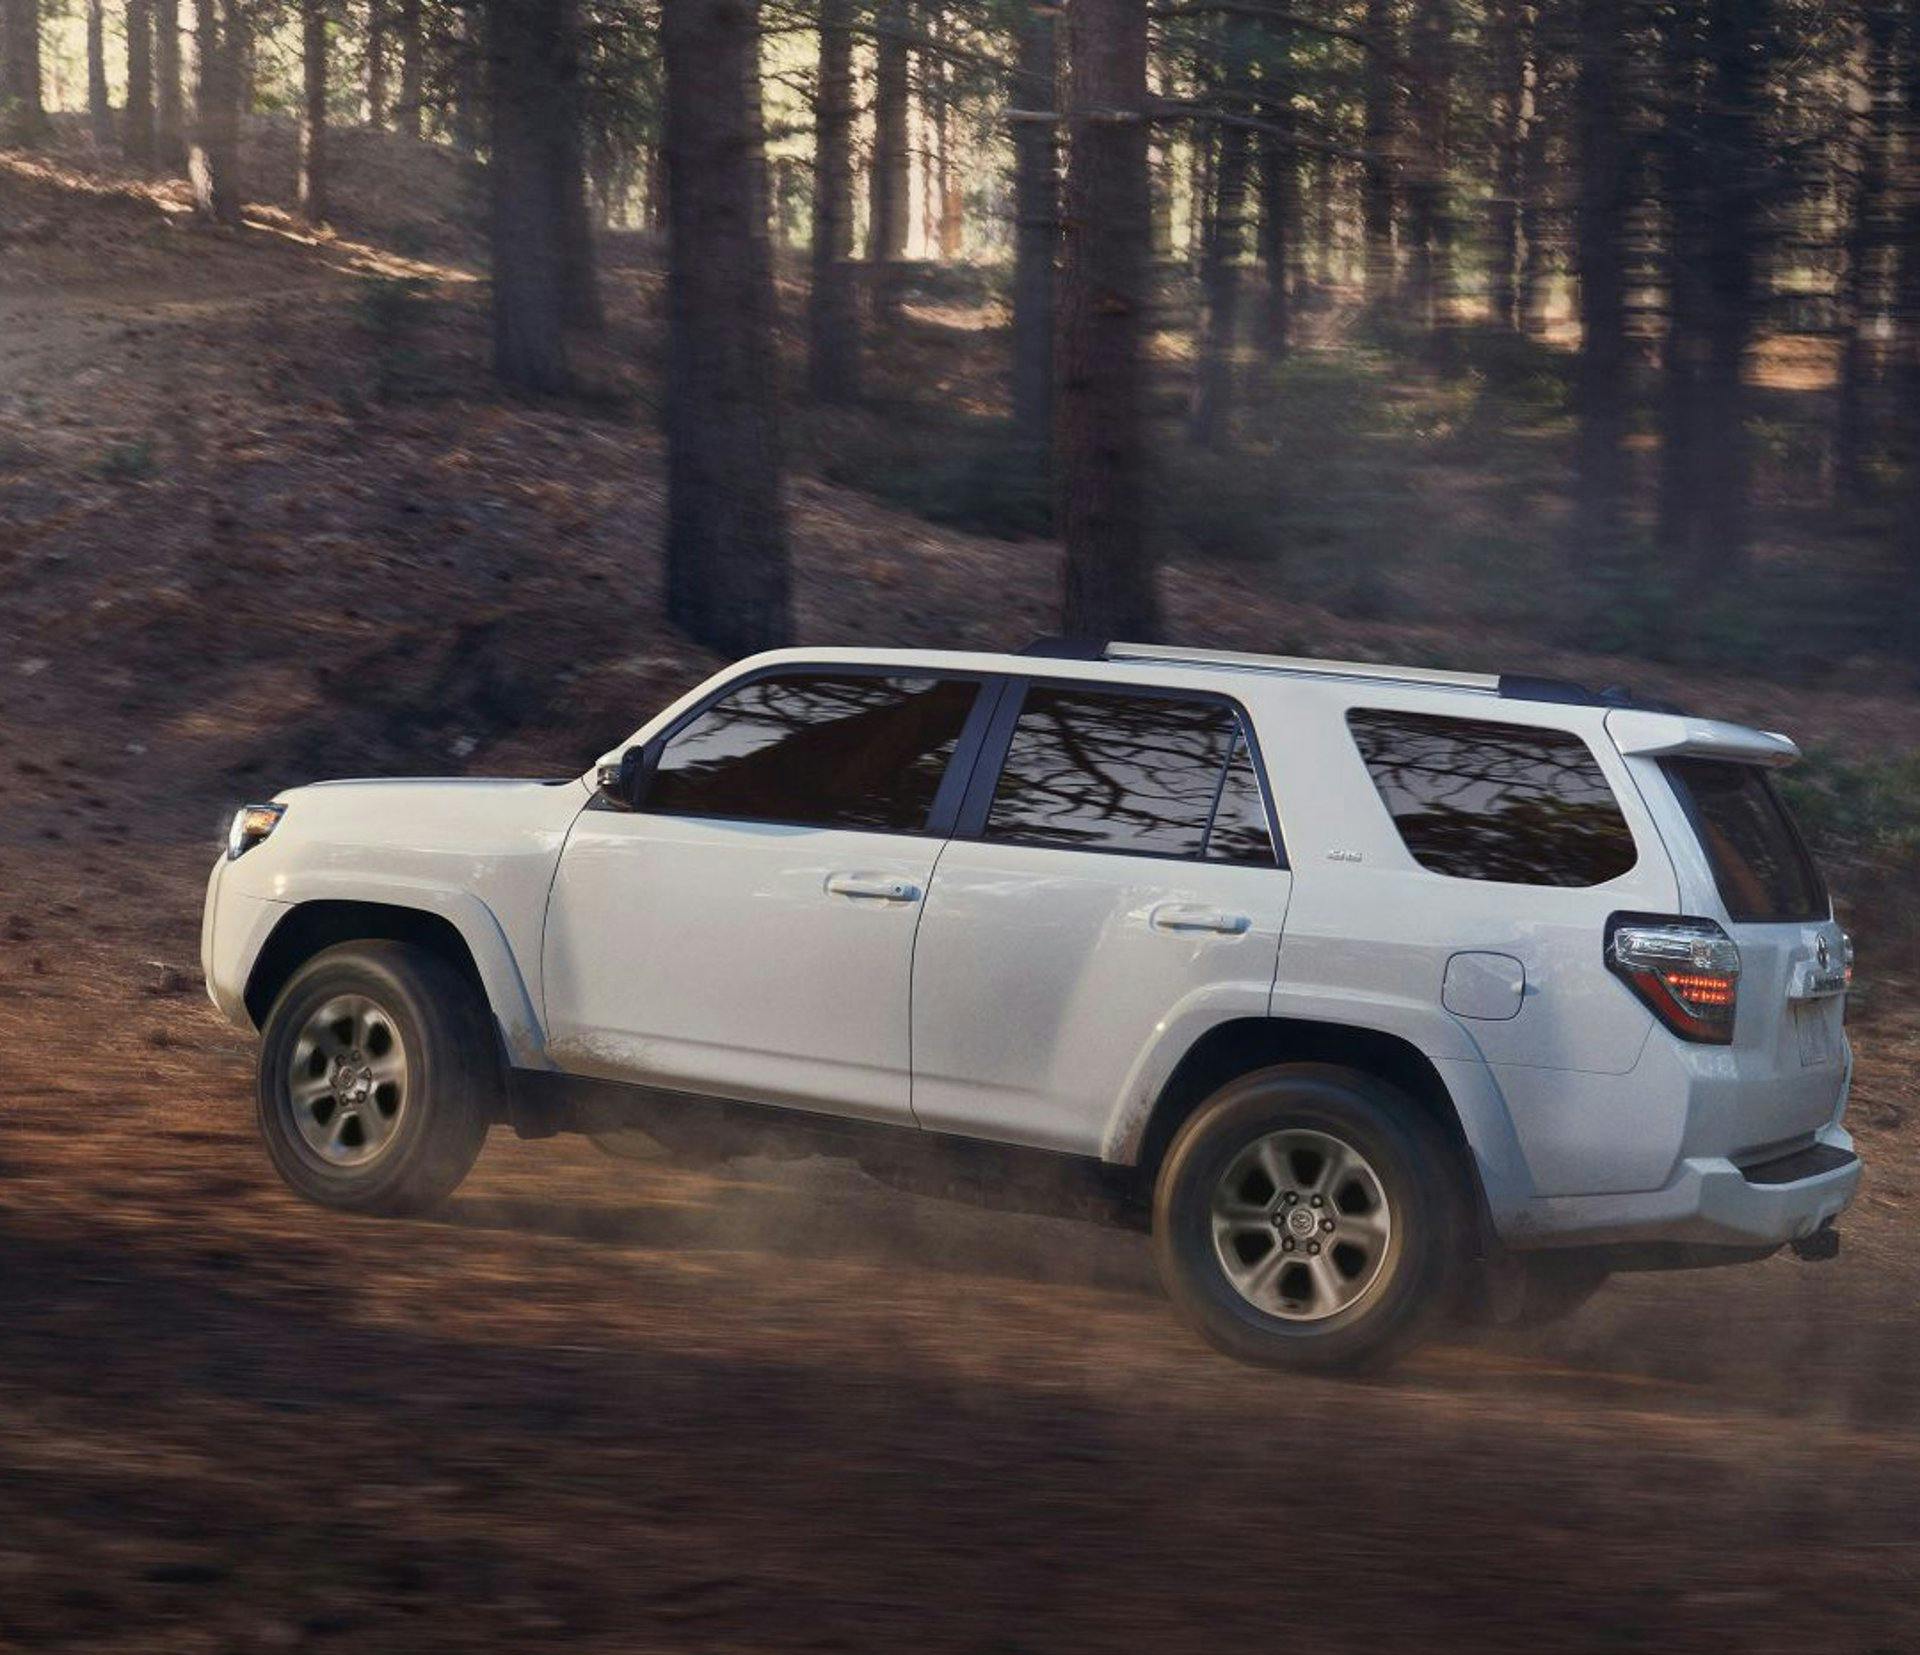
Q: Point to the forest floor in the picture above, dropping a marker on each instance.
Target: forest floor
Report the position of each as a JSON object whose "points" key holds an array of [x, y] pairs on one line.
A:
{"points": [[260, 521]]}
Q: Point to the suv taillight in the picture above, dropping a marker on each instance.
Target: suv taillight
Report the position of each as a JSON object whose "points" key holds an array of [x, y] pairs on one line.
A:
{"points": [[1686, 970]]}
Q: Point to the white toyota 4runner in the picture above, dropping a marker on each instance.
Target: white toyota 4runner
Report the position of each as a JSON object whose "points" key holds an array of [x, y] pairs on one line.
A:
{"points": [[1362, 986]]}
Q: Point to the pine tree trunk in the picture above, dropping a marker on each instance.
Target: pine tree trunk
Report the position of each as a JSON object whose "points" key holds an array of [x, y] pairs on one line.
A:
{"points": [[23, 116], [413, 53], [213, 160], [525, 49], [169, 116], [833, 311], [1429, 225], [1376, 183], [728, 573], [1600, 388], [579, 261], [1506, 32], [1716, 162], [1533, 283], [1033, 97], [1906, 302], [99, 108], [379, 48], [1109, 588], [889, 185], [469, 94], [312, 182], [137, 130], [1863, 289], [1279, 234], [1210, 421], [1325, 223]]}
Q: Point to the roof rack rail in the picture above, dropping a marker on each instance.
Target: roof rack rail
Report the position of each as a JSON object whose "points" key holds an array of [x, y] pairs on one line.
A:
{"points": [[1173, 656], [1508, 686]]}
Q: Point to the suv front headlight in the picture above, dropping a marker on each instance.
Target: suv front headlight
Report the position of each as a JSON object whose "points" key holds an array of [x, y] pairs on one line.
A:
{"points": [[251, 824]]}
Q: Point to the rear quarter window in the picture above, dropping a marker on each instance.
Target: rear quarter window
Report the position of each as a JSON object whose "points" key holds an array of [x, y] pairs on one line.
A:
{"points": [[1475, 799]]}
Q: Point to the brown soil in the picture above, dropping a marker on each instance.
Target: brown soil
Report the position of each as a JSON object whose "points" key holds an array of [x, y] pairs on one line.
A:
{"points": [[610, 1409]]}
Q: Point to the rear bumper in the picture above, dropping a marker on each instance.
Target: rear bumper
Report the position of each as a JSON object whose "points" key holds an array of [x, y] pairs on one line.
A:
{"points": [[1709, 1202]]}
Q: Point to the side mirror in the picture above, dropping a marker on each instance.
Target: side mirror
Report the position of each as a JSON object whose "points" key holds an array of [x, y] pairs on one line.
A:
{"points": [[623, 784]]}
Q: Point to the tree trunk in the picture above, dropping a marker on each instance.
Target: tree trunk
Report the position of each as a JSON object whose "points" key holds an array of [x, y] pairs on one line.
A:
{"points": [[1507, 27], [137, 132], [1864, 298], [525, 49], [312, 183], [728, 574], [949, 206], [833, 311], [213, 161], [1210, 420], [1325, 223], [1906, 298], [413, 53], [1531, 285], [169, 122], [1718, 167], [1600, 388], [579, 262], [1110, 590], [1279, 233], [1429, 224], [1033, 98], [1160, 170], [469, 94], [23, 117], [1376, 179], [99, 109], [889, 184], [379, 109]]}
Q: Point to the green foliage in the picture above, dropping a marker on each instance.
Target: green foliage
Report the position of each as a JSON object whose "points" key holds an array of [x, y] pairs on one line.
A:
{"points": [[392, 311], [1859, 808], [128, 462], [966, 472]]}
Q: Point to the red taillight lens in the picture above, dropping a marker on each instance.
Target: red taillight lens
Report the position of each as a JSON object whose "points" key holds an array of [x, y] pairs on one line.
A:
{"points": [[1687, 971]]}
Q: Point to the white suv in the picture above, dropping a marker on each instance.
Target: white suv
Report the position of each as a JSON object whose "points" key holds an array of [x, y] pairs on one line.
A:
{"points": [[1359, 983]]}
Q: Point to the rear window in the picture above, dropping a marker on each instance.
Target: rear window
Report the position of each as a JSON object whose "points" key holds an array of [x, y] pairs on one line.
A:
{"points": [[1759, 860], [1479, 800]]}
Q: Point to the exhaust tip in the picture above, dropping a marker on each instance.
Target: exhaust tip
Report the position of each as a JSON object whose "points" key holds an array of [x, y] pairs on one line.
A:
{"points": [[1818, 1247]]}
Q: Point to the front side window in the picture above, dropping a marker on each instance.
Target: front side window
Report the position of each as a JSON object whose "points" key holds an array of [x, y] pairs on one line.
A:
{"points": [[852, 750], [1760, 862], [1093, 770], [1480, 800]]}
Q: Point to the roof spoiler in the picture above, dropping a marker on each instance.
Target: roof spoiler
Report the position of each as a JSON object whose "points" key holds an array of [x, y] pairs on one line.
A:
{"points": [[1641, 734]]}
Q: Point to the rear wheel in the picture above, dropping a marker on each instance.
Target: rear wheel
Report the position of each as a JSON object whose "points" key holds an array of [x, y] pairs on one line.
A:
{"points": [[378, 1078], [1308, 1217]]}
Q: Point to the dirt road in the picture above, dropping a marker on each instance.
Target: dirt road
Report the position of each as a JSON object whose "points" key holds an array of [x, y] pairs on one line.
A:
{"points": [[616, 1409]]}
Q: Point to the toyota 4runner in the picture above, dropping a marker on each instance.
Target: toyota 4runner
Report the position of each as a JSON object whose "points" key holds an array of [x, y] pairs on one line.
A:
{"points": [[1362, 987]]}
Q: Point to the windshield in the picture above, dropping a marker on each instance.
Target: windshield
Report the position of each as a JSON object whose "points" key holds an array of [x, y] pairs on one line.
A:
{"points": [[1759, 860]]}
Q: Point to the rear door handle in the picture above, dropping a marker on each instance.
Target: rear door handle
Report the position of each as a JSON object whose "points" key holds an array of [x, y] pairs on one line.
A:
{"points": [[1190, 916], [873, 887]]}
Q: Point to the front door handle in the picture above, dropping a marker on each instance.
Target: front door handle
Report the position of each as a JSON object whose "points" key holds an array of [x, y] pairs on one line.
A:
{"points": [[873, 887], [1190, 916]]}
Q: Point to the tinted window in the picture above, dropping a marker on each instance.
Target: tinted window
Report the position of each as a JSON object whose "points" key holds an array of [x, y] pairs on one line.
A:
{"points": [[1480, 800], [857, 751], [1759, 860], [1098, 771], [1240, 823]]}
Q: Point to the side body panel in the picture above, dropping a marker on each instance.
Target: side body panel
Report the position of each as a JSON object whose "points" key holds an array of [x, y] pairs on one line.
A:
{"points": [[479, 854]]}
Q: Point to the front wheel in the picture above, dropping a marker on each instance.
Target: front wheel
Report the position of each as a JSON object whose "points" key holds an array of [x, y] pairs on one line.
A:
{"points": [[378, 1078], [1308, 1217]]}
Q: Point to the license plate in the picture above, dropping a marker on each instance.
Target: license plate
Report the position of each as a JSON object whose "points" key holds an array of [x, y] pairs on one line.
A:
{"points": [[1814, 1025]]}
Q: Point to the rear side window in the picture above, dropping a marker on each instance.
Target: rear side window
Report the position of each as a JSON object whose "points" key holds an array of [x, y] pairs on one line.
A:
{"points": [[1759, 860], [1508, 802], [1093, 770], [818, 750]]}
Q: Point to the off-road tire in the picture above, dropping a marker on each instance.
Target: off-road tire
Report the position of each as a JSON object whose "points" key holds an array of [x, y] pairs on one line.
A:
{"points": [[452, 1088], [1409, 1162]]}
